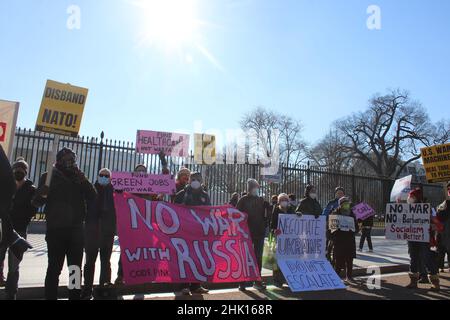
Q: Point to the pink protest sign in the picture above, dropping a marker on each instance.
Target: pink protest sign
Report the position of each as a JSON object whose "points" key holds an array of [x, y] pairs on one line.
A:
{"points": [[165, 243], [152, 142], [142, 183], [363, 211]]}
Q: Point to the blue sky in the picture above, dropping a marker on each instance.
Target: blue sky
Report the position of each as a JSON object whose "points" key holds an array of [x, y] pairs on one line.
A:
{"points": [[314, 60]]}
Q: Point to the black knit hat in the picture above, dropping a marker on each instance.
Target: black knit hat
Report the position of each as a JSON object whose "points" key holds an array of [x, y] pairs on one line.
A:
{"points": [[64, 151]]}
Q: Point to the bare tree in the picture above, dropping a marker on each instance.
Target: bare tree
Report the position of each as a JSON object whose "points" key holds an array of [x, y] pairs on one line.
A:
{"points": [[329, 153], [388, 136], [271, 131]]}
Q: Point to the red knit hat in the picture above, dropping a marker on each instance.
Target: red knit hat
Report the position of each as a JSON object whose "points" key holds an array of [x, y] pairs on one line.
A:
{"points": [[417, 193]]}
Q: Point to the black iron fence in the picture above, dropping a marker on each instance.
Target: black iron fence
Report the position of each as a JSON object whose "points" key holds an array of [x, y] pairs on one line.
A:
{"points": [[221, 179]]}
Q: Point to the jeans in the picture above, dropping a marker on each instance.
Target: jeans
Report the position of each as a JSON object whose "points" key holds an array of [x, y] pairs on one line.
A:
{"points": [[419, 255], [94, 244], [12, 280], [62, 243], [366, 234]]}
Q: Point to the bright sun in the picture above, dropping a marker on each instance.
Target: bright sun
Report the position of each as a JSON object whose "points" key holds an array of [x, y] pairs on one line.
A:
{"points": [[171, 23]]}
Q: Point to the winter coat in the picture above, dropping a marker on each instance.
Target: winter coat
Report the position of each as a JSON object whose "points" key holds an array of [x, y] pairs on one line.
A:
{"points": [[255, 208], [344, 242], [190, 198], [22, 210], [7, 189], [276, 213], [309, 206], [66, 204], [367, 224], [101, 211], [443, 213]]}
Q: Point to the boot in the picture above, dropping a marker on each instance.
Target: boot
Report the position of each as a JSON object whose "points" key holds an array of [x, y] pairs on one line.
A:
{"points": [[435, 283], [414, 278]]}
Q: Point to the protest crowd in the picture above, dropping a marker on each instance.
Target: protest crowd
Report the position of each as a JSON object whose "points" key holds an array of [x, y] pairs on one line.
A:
{"points": [[81, 220]]}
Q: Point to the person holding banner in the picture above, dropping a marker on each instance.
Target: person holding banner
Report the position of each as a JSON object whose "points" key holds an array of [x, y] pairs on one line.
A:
{"points": [[283, 207], [418, 251], [344, 242], [309, 204], [193, 195], [21, 213], [100, 231], [65, 208], [255, 207]]}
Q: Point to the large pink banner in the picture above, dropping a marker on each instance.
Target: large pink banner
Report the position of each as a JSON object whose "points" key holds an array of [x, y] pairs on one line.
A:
{"points": [[165, 243], [153, 142]]}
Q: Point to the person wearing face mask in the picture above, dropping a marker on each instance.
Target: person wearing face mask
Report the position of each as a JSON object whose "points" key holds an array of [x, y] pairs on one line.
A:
{"points": [[293, 201], [100, 230], [256, 208], [344, 242], [65, 203], [21, 214], [309, 204], [283, 207], [193, 195]]}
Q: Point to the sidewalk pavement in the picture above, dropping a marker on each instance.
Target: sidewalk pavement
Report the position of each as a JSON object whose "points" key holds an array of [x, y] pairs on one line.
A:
{"points": [[387, 253]]}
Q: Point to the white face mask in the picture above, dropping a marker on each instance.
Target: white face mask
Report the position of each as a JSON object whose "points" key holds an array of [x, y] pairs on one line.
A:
{"points": [[196, 185], [313, 195], [255, 192], [284, 204]]}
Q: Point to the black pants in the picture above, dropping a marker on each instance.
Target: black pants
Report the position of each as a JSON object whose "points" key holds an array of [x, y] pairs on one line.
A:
{"points": [[258, 247], [62, 243], [96, 243], [366, 233], [12, 280], [345, 264], [442, 251]]}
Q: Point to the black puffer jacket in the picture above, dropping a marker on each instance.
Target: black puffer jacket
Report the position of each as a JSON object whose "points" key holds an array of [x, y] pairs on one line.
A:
{"points": [[22, 210], [65, 206], [7, 189], [276, 213], [256, 208]]}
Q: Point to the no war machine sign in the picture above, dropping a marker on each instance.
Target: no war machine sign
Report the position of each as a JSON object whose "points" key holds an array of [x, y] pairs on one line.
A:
{"points": [[301, 254], [436, 161], [410, 222], [61, 109], [166, 243]]}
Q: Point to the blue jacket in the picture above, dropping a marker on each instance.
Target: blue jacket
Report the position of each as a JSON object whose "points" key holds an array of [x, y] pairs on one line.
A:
{"points": [[331, 206]]}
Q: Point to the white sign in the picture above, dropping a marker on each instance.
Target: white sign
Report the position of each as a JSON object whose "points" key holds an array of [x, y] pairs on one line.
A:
{"points": [[408, 222], [340, 222], [8, 118], [301, 253], [401, 189]]}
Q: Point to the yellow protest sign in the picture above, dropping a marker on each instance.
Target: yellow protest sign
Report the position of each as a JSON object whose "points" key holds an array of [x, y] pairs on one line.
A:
{"points": [[61, 109], [436, 161], [205, 149]]}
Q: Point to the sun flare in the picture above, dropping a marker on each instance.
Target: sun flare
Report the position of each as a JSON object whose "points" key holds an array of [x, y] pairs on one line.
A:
{"points": [[171, 23]]}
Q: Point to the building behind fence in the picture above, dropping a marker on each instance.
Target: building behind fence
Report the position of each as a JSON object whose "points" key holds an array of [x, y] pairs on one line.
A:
{"points": [[221, 179]]}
